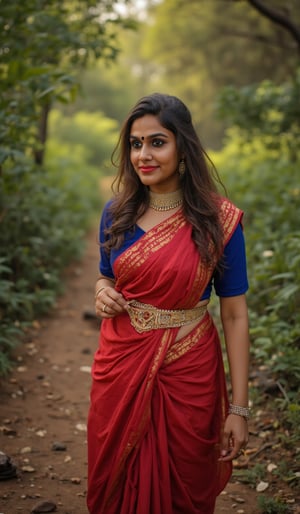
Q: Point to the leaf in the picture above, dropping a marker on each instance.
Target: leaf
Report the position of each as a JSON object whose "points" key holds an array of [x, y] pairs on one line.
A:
{"points": [[262, 486]]}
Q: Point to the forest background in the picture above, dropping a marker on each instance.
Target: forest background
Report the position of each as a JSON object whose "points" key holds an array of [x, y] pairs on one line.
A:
{"points": [[71, 70]]}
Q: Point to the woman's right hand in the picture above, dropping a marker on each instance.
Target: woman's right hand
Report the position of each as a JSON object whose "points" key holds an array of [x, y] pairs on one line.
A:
{"points": [[109, 303]]}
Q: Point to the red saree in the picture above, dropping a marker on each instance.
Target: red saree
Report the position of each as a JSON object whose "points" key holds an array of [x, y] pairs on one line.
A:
{"points": [[158, 405]]}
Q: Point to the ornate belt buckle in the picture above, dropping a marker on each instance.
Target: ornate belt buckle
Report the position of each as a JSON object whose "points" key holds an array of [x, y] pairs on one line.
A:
{"points": [[142, 319]]}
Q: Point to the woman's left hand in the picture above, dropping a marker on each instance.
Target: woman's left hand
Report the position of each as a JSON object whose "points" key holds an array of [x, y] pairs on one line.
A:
{"points": [[235, 437]]}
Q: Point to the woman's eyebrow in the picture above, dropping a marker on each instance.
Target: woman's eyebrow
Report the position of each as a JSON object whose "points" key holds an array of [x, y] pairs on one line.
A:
{"points": [[151, 136]]}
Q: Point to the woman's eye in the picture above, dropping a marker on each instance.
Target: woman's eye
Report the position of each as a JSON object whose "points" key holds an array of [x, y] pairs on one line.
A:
{"points": [[157, 142], [135, 144]]}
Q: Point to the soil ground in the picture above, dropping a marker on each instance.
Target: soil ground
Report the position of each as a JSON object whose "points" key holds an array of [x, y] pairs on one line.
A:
{"points": [[45, 401]]}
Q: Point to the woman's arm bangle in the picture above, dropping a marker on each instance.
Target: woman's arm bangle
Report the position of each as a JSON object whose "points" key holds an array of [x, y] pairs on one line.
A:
{"points": [[239, 411], [99, 291]]}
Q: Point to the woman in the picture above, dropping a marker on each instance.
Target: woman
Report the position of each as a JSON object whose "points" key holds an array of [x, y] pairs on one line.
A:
{"points": [[161, 434]]}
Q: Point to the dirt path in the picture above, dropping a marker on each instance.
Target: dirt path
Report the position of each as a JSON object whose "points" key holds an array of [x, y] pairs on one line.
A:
{"points": [[45, 401]]}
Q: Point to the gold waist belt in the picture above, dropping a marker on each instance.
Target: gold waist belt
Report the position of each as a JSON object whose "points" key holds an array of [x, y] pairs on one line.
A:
{"points": [[145, 317]]}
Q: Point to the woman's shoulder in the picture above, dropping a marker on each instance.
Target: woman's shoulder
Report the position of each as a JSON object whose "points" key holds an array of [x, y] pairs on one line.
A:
{"points": [[106, 214], [108, 207], [230, 216], [108, 204], [226, 206]]}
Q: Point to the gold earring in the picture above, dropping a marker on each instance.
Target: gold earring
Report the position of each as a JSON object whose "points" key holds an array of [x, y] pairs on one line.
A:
{"points": [[181, 167]]}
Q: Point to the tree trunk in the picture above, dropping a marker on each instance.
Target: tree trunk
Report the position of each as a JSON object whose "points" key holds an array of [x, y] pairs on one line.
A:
{"points": [[42, 134]]}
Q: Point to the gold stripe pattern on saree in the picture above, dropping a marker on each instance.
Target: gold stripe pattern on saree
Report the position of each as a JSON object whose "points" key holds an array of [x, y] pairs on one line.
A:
{"points": [[152, 241], [179, 348]]}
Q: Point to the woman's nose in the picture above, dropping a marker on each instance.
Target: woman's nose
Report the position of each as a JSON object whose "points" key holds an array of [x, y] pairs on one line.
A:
{"points": [[145, 153]]}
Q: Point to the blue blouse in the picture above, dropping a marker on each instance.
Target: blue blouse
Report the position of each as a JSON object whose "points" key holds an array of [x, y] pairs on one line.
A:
{"points": [[231, 281]]}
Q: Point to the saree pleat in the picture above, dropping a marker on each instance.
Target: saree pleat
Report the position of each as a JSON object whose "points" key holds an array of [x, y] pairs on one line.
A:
{"points": [[158, 405]]}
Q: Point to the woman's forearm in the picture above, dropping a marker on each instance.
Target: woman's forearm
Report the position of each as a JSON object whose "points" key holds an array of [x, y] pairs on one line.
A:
{"points": [[234, 316]]}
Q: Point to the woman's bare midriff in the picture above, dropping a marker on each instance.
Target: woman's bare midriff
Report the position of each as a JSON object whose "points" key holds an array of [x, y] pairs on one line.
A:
{"points": [[186, 329]]}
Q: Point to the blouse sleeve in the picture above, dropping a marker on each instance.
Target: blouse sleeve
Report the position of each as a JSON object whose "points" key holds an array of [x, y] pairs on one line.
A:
{"points": [[232, 280], [105, 267]]}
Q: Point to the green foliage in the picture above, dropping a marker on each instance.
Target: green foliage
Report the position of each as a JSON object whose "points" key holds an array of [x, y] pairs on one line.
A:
{"points": [[272, 505], [291, 434], [42, 44], [267, 189], [96, 135], [200, 52], [44, 219], [44, 211], [288, 469], [109, 89], [260, 165], [269, 111], [250, 476]]}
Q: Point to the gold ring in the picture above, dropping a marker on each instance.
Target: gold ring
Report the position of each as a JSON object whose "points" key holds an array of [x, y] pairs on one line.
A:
{"points": [[104, 307]]}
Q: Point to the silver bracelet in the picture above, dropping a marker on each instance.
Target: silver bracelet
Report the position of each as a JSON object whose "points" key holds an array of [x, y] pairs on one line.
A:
{"points": [[239, 411]]}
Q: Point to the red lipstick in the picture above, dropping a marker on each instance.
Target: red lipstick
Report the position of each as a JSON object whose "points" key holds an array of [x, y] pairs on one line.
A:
{"points": [[147, 169]]}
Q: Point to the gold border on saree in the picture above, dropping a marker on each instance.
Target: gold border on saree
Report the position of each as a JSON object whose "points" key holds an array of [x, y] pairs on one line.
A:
{"points": [[145, 317]]}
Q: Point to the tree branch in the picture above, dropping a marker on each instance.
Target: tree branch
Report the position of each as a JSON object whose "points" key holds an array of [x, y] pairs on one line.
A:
{"points": [[277, 17], [255, 37]]}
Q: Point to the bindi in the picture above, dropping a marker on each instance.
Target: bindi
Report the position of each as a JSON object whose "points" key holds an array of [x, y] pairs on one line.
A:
{"points": [[142, 138]]}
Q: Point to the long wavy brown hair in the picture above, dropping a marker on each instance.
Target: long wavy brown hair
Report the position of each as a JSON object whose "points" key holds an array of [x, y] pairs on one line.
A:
{"points": [[201, 199]]}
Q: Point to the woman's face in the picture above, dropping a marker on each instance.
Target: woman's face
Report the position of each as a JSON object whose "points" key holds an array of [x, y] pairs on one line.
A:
{"points": [[153, 154]]}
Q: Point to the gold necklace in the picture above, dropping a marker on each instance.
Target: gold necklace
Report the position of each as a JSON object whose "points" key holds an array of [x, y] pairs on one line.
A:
{"points": [[165, 201]]}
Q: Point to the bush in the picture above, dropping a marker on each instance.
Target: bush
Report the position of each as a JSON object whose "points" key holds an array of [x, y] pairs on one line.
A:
{"points": [[266, 186], [44, 221], [272, 506]]}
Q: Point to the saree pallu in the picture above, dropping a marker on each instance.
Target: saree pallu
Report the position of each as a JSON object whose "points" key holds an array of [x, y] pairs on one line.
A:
{"points": [[158, 404]]}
